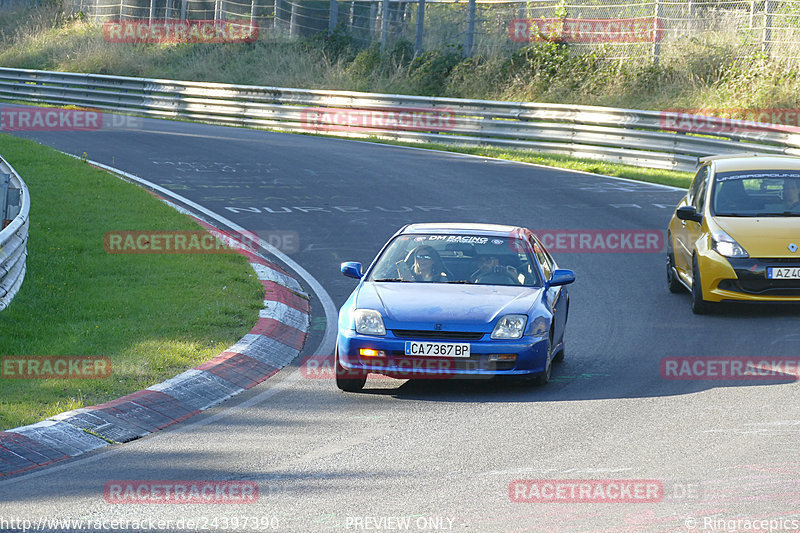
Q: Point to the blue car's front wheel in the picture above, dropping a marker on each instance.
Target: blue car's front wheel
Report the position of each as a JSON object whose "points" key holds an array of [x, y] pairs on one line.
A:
{"points": [[348, 380]]}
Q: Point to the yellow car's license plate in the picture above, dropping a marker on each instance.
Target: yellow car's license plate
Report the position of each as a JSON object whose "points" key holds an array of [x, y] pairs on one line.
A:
{"points": [[437, 349], [783, 273]]}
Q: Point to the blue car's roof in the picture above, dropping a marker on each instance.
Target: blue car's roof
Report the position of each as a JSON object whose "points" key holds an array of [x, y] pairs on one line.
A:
{"points": [[495, 230]]}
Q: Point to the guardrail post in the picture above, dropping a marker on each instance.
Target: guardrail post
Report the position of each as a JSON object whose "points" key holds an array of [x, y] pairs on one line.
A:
{"points": [[12, 206], [184, 9], [4, 181], [470, 28], [152, 11], [252, 11], [334, 15], [420, 26], [769, 6], [384, 24]]}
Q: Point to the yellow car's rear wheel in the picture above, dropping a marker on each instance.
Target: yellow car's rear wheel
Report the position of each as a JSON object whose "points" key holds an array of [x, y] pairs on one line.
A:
{"points": [[673, 283]]}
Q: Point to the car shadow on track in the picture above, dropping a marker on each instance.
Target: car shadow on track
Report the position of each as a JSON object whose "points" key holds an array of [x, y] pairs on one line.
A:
{"points": [[576, 379]]}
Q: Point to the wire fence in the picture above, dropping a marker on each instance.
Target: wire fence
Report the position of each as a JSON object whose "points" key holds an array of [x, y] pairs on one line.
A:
{"points": [[647, 29]]}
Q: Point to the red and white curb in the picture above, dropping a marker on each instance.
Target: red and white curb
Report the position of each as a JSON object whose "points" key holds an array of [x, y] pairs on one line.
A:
{"points": [[275, 340]]}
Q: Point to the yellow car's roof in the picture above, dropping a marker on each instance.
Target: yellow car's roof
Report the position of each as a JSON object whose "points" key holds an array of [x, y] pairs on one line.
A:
{"points": [[728, 164]]}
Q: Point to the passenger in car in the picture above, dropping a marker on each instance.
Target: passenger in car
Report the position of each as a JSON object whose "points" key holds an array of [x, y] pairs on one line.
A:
{"points": [[426, 266]]}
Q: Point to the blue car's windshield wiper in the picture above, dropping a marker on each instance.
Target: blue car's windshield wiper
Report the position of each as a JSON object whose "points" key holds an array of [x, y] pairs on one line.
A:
{"points": [[392, 279], [461, 281]]}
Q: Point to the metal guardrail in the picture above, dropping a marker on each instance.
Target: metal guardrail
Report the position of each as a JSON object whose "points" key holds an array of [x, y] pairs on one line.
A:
{"points": [[640, 138], [14, 215]]}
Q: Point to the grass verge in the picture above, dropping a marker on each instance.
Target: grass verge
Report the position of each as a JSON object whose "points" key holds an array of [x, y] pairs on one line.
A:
{"points": [[673, 178], [152, 315]]}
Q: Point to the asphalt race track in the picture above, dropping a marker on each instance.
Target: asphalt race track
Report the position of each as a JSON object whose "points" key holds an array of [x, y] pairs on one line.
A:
{"points": [[424, 455]]}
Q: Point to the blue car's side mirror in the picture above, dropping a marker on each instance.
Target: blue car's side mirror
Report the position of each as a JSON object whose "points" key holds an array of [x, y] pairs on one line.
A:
{"points": [[561, 276], [352, 269]]}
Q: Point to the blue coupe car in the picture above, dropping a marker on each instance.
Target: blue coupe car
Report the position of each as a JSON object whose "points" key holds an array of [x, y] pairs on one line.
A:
{"points": [[454, 300]]}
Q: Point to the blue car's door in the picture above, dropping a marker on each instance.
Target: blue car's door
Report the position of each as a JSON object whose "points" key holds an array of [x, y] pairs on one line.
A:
{"points": [[556, 298]]}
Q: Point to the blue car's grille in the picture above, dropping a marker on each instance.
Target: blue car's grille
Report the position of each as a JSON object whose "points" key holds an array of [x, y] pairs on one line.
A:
{"points": [[438, 335]]}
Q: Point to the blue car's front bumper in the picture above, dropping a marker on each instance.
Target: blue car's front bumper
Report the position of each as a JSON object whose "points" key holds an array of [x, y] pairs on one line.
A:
{"points": [[531, 357]]}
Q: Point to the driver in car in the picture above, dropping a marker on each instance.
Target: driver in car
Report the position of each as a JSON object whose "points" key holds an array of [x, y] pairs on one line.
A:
{"points": [[791, 195], [490, 264], [426, 266]]}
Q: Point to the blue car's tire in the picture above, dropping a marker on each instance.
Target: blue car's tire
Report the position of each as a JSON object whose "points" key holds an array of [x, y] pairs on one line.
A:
{"points": [[559, 357], [348, 380], [543, 378]]}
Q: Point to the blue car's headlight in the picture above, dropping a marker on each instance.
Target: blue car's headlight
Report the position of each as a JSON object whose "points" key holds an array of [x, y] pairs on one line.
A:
{"points": [[369, 322], [510, 327]]}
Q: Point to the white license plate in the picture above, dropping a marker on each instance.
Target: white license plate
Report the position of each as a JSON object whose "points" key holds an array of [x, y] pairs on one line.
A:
{"points": [[783, 272], [437, 349]]}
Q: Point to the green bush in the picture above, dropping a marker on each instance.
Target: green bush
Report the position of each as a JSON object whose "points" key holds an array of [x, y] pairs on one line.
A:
{"points": [[366, 63], [429, 71], [335, 46]]}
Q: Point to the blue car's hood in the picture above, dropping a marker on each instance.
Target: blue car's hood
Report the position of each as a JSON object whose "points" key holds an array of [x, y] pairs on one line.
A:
{"points": [[457, 307]]}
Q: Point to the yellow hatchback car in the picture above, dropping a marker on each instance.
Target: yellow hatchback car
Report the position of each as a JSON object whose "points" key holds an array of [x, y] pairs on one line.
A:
{"points": [[735, 236]]}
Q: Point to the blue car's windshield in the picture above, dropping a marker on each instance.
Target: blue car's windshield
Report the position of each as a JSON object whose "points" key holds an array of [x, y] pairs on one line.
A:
{"points": [[472, 259]]}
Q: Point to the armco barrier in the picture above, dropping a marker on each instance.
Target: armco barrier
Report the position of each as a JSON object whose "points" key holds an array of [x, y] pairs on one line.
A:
{"points": [[15, 206], [641, 138]]}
